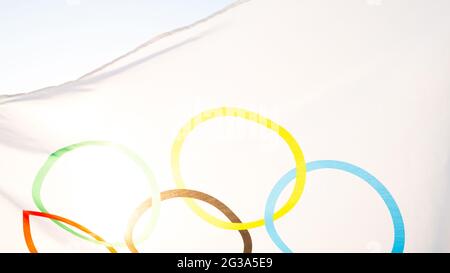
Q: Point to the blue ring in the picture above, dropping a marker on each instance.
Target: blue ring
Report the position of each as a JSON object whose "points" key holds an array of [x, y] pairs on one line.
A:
{"points": [[397, 220]]}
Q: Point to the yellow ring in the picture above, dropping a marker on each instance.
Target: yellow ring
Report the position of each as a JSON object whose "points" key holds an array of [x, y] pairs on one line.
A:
{"points": [[300, 163]]}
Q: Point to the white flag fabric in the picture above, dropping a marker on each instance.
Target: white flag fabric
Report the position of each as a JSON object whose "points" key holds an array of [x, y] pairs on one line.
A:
{"points": [[361, 82]]}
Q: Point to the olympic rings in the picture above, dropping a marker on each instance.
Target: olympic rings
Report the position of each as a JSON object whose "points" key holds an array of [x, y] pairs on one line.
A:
{"points": [[300, 164], [397, 220], [39, 180], [186, 194], [29, 239], [298, 175]]}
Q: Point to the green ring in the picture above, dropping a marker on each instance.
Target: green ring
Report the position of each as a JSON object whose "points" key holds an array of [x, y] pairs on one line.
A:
{"points": [[43, 171]]}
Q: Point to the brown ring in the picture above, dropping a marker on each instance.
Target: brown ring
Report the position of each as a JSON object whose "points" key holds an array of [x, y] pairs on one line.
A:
{"points": [[142, 208]]}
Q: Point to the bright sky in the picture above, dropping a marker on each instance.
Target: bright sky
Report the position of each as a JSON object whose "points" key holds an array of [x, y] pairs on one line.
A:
{"points": [[47, 42]]}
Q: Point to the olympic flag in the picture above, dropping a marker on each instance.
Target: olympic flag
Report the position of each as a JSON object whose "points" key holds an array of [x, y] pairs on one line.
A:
{"points": [[218, 112]]}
